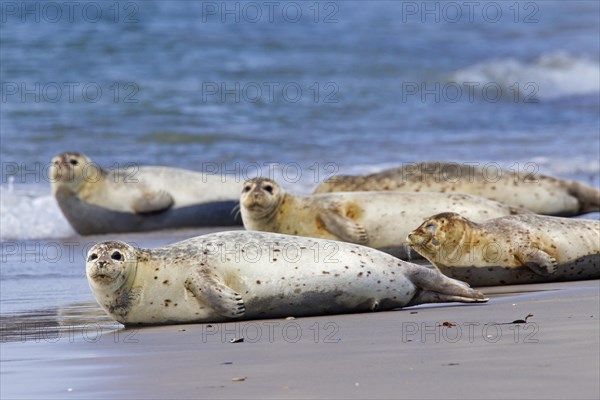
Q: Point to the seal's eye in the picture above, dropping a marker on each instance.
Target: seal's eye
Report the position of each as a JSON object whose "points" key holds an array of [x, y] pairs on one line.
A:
{"points": [[73, 162], [92, 257], [116, 256], [246, 189], [268, 188]]}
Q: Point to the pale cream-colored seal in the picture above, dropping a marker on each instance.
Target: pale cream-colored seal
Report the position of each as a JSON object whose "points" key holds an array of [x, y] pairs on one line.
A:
{"points": [[248, 275], [538, 193], [509, 250], [381, 220], [135, 198]]}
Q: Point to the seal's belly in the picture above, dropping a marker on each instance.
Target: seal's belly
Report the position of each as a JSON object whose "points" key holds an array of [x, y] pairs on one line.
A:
{"points": [[267, 295], [314, 299], [587, 267]]}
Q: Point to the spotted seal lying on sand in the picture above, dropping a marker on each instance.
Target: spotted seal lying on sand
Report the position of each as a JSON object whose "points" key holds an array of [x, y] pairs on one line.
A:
{"points": [[538, 193], [138, 199], [248, 275], [510, 250], [381, 220]]}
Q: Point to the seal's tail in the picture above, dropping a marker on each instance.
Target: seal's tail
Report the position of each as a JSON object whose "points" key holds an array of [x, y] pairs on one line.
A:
{"points": [[589, 197]]}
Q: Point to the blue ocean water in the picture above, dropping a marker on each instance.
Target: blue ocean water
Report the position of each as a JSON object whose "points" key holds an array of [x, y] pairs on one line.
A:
{"points": [[357, 85]]}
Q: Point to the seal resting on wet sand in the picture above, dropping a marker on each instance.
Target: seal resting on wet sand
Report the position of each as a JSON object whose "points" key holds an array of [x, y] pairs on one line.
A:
{"points": [[510, 250], [381, 220], [249, 275], [539, 193], [138, 199]]}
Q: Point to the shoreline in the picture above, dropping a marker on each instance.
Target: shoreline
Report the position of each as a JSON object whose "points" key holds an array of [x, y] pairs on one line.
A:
{"points": [[407, 353]]}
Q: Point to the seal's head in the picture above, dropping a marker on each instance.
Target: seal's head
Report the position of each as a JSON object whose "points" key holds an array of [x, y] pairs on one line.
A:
{"points": [[72, 170], [445, 230], [260, 198], [110, 265]]}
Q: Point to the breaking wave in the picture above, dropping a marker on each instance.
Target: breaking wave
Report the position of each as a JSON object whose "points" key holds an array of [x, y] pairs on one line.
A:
{"points": [[553, 75]]}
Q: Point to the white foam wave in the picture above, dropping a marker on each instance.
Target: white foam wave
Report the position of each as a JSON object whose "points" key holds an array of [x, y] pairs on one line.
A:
{"points": [[30, 212], [553, 75]]}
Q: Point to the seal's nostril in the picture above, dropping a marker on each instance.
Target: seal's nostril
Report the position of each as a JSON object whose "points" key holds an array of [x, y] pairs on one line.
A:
{"points": [[101, 264]]}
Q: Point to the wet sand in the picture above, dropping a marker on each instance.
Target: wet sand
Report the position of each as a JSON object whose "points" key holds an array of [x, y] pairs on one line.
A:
{"points": [[399, 354]]}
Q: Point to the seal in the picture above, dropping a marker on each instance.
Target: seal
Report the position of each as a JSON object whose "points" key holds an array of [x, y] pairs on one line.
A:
{"points": [[539, 193], [510, 250], [238, 275], [138, 199], [380, 220]]}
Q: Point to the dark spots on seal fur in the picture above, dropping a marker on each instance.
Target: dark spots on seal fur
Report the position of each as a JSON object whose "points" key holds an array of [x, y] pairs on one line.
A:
{"points": [[166, 303], [325, 272], [360, 274], [156, 277], [258, 282], [166, 282]]}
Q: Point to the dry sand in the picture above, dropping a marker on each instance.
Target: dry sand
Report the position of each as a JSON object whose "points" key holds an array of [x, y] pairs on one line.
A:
{"points": [[398, 354]]}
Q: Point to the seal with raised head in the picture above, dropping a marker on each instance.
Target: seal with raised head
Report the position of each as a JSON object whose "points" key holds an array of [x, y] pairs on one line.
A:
{"points": [[137, 199], [539, 193], [251, 275], [381, 220], [510, 250]]}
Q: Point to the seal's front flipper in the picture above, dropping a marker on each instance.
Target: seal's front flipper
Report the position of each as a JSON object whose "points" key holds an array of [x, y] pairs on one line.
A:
{"points": [[344, 228], [437, 287], [538, 261], [221, 298], [151, 202]]}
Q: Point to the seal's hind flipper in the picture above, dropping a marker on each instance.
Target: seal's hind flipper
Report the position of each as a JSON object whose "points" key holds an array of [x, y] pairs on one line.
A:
{"points": [[436, 287], [587, 196], [538, 261], [426, 296], [221, 298], [339, 225], [151, 202]]}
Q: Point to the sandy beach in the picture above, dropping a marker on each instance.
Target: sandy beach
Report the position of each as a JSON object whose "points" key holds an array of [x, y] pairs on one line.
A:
{"points": [[411, 353], [301, 92]]}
